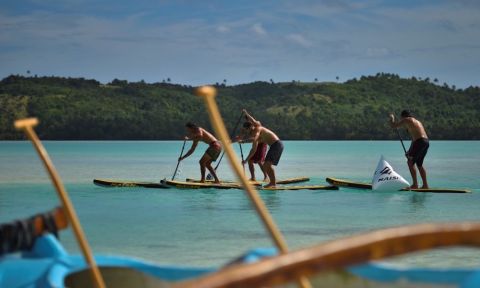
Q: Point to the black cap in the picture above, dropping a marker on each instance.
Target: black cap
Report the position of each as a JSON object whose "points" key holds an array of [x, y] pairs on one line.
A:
{"points": [[247, 125], [406, 113], [191, 125]]}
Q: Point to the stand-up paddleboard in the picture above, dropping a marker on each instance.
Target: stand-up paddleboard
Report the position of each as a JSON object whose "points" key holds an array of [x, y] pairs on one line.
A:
{"points": [[196, 185], [348, 183], [361, 185], [259, 183], [120, 183], [293, 187], [386, 178]]}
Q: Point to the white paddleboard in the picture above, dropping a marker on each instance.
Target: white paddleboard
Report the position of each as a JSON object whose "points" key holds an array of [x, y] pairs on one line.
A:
{"points": [[386, 179]]}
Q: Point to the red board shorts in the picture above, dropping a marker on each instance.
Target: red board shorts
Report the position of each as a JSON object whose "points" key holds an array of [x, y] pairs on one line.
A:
{"points": [[214, 150], [259, 156]]}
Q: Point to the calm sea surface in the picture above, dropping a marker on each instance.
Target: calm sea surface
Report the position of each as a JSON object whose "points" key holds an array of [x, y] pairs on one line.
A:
{"points": [[210, 227]]}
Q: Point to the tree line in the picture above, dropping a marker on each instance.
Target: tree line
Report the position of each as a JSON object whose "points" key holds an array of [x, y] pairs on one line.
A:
{"points": [[77, 108]]}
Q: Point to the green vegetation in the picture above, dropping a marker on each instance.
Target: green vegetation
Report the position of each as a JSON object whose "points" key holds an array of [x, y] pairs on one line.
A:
{"points": [[357, 109]]}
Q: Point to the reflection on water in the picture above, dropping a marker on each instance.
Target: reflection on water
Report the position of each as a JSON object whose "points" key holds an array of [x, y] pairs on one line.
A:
{"points": [[417, 201]]}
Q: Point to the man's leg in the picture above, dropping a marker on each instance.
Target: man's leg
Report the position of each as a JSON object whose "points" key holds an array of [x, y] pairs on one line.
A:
{"points": [[208, 165], [271, 174], [423, 174], [202, 163], [261, 165], [413, 172], [252, 170]]}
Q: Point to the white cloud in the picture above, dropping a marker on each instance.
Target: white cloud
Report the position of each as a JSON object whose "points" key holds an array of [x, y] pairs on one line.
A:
{"points": [[378, 52], [348, 39], [299, 40], [223, 29], [258, 29]]}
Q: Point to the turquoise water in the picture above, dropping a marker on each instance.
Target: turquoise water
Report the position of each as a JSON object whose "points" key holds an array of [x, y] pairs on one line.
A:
{"points": [[210, 227]]}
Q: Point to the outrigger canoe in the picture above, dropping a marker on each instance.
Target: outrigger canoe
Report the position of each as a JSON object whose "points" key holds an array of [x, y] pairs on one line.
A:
{"points": [[120, 183], [362, 185], [231, 185], [47, 264], [259, 183]]}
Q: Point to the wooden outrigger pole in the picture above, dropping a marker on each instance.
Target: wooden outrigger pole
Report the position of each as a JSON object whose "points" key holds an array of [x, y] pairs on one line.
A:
{"points": [[341, 253], [27, 126], [208, 94]]}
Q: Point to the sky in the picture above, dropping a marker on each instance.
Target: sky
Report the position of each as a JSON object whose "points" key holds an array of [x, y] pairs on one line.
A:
{"points": [[201, 42]]}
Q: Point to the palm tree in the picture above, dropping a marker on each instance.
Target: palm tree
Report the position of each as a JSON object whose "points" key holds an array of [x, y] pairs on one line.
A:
{"points": [[337, 78], [169, 80], [271, 81], [316, 79]]}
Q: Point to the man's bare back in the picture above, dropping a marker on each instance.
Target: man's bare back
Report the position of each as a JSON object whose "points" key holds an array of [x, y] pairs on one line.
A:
{"points": [[204, 136], [415, 128], [266, 135]]}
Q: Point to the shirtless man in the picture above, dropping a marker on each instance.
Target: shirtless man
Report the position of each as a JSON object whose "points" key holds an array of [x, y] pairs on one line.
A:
{"points": [[418, 148], [197, 134], [261, 134], [258, 157]]}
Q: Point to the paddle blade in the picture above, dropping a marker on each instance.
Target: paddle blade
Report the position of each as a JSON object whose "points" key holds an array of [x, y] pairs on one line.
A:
{"points": [[28, 122]]}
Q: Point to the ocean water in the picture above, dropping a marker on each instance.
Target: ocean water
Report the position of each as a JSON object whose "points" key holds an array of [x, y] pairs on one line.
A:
{"points": [[210, 227]]}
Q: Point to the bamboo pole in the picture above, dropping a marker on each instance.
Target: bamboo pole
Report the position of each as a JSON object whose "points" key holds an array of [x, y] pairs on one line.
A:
{"points": [[208, 94], [27, 126]]}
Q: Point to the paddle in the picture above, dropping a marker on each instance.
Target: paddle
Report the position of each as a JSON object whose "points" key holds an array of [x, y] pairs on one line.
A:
{"points": [[209, 176], [401, 141], [178, 162], [208, 94], [241, 153], [27, 126]]}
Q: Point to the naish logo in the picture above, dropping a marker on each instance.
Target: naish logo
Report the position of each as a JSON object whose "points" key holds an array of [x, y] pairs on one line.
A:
{"points": [[388, 178], [386, 170]]}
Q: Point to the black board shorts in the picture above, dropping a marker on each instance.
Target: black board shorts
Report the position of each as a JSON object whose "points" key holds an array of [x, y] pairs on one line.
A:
{"points": [[214, 150], [418, 150], [274, 153]]}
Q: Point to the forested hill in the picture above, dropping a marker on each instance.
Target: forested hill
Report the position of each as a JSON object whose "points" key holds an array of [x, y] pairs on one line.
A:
{"points": [[357, 109]]}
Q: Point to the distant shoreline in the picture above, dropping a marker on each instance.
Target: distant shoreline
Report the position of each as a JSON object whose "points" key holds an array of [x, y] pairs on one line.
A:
{"points": [[357, 109]]}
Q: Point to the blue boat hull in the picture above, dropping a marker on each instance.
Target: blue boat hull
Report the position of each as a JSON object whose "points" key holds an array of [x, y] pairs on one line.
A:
{"points": [[48, 265]]}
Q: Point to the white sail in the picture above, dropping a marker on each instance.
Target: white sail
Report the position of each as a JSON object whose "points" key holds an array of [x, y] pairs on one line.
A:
{"points": [[386, 179]]}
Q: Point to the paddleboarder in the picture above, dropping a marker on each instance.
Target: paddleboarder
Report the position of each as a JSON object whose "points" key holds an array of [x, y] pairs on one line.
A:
{"points": [[259, 156], [419, 147], [261, 134], [196, 134]]}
